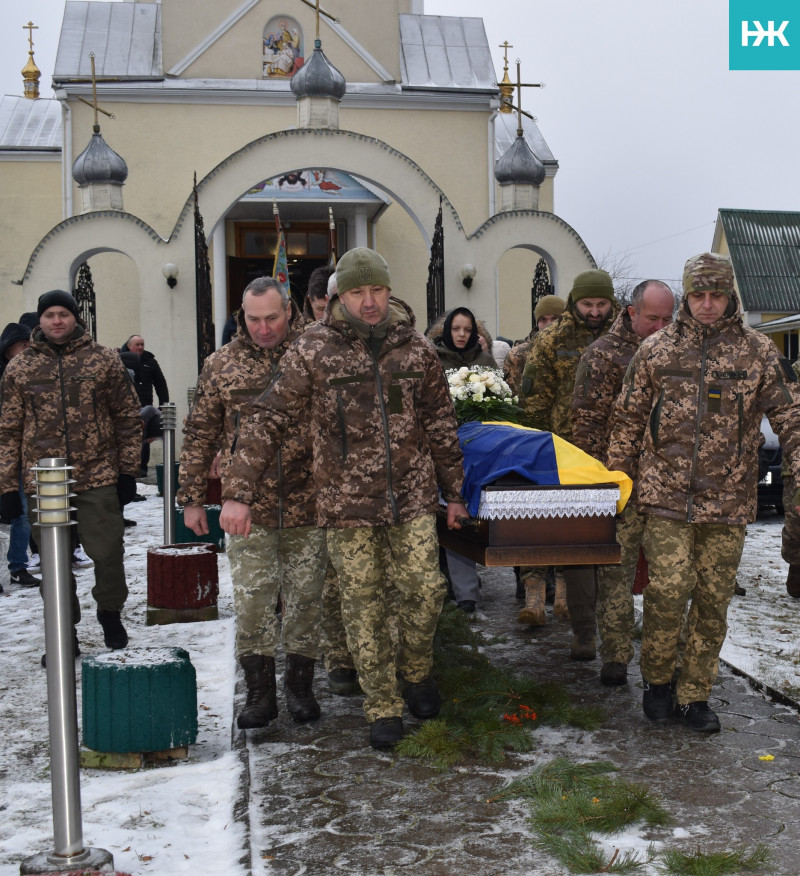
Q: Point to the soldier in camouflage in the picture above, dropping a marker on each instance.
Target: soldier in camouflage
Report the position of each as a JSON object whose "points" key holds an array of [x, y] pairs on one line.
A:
{"points": [[550, 373], [686, 430], [547, 310], [339, 665], [790, 537], [285, 554], [597, 384], [371, 390], [66, 396]]}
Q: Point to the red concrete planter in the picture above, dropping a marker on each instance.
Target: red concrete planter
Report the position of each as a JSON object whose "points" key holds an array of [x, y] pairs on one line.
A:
{"points": [[182, 583]]}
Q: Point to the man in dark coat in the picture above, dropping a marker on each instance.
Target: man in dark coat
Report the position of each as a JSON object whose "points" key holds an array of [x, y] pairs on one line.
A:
{"points": [[149, 375]]}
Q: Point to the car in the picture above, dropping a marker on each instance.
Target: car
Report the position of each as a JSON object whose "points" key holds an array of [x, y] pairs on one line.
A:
{"points": [[770, 477]]}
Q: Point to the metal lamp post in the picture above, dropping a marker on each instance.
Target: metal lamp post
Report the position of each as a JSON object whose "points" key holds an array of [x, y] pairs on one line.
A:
{"points": [[52, 509], [169, 422]]}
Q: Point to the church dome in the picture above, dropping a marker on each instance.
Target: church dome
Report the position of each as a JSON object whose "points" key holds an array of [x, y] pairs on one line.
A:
{"points": [[318, 77], [99, 163], [519, 165]]}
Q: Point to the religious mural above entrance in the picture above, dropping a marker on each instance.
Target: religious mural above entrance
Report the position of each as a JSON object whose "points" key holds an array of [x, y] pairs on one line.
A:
{"points": [[311, 185], [283, 47]]}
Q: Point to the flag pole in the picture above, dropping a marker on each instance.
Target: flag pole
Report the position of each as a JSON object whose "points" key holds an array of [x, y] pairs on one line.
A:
{"points": [[332, 227]]}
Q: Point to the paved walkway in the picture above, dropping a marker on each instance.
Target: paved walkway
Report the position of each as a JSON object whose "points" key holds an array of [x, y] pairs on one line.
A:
{"points": [[320, 801]]}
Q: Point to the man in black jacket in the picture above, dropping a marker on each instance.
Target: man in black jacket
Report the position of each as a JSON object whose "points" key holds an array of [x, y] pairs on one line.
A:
{"points": [[149, 375]]}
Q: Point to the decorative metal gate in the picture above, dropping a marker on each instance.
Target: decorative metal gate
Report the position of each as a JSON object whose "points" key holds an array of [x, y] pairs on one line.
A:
{"points": [[541, 286], [435, 288], [206, 341], [84, 295]]}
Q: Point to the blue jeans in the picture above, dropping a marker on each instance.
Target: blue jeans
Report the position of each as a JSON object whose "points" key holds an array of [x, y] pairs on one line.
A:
{"points": [[18, 536]]}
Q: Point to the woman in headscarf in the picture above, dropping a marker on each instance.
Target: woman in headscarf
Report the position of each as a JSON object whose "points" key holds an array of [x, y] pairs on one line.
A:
{"points": [[461, 340], [458, 340]]}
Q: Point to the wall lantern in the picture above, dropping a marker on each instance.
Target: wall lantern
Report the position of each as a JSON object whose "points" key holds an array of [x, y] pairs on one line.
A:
{"points": [[170, 271], [468, 275]]}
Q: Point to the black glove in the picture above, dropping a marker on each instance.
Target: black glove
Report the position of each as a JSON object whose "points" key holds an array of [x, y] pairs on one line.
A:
{"points": [[126, 488], [10, 506]]}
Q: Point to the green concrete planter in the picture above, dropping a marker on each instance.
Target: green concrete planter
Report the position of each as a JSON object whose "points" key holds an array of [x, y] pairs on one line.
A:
{"points": [[139, 701]]}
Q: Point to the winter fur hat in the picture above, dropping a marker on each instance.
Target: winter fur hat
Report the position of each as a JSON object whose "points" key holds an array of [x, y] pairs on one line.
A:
{"points": [[548, 305], [57, 298], [361, 267], [592, 284], [708, 271]]}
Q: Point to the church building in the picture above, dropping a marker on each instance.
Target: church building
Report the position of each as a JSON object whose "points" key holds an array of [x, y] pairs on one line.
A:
{"points": [[187, 139]]}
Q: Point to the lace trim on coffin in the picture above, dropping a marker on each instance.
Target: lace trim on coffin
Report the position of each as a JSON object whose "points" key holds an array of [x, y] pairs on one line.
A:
{"points": [[499, 504]]}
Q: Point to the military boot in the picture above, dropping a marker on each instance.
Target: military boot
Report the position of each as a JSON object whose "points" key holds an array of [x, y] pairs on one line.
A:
{"points": [[793, 581], [261, 705], [533, 611], [300, 702], [560, 602]]}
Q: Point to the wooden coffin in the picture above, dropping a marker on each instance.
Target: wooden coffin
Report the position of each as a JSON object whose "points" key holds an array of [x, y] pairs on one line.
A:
{"points": [[535, 541]]}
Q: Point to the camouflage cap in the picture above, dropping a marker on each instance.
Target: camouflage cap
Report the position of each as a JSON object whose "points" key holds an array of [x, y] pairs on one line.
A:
{"points": [[548, 305], [707, 271], [361, 267], [592, 284]]}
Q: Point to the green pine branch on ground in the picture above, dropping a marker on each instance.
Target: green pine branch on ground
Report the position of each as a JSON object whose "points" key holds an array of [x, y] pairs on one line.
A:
{"points": [[744, 860], [486, 711]]}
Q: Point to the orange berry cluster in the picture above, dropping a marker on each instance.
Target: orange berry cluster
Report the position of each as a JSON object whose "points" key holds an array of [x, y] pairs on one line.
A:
{"points": [[524, 713]]}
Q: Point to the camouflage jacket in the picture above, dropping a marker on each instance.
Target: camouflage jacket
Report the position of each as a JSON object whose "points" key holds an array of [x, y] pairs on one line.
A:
{"points": [[515, 362], [687, 422], [75, 401], [551, 368], [384, 430], [232, 379], [597, 384]]}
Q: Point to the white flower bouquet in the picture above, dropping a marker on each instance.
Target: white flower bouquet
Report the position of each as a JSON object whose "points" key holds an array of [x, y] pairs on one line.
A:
{"points": [[481, 393]]}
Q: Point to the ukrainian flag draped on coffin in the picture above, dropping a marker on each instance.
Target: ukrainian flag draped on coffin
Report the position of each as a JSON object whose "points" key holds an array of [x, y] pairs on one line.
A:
{"points": [[492, 450]]}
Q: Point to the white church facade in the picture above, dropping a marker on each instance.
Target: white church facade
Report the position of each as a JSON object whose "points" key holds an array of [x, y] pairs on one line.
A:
{"points": [[404, 119]]}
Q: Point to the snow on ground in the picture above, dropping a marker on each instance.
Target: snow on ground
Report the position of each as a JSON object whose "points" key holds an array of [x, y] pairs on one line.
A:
{"points": [[181, 818], [169, 820], [762, 625]]}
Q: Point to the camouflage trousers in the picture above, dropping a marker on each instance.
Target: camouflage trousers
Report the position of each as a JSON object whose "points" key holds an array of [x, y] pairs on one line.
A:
{"points": [[688, 560], [333, 640], [385, 570], [790, 536], [272, 562], [615, 618]]}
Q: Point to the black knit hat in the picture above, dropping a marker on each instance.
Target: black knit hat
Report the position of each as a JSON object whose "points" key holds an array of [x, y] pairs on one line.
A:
{"points": [[57, 298]]}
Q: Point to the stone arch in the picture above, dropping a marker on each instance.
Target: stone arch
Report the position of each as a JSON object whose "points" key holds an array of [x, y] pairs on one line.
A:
{"points": [[55, 259], [302, 148]]}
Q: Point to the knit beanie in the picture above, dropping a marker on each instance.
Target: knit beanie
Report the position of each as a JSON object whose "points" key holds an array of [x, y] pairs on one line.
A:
{"points": [[57, 298], [592, 284], [708, 271], [30, 320], [548, 305], [361, 267]]}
